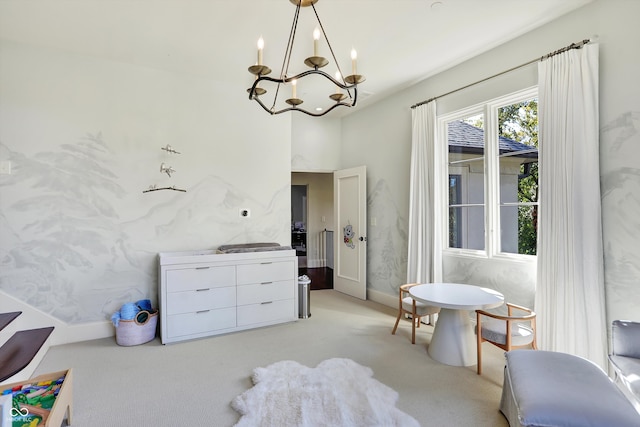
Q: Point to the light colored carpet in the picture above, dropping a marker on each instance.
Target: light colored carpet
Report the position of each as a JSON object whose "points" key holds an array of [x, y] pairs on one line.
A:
{"points": [[337, 393], [193, 383]]}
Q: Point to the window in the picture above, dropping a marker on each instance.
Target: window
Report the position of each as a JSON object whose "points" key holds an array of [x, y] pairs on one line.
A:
{"points": [[466, 183], [492, 169]]}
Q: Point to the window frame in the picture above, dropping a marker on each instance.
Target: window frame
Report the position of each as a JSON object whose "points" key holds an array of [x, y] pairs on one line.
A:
{"points": [[463, 173], [491, 185]]}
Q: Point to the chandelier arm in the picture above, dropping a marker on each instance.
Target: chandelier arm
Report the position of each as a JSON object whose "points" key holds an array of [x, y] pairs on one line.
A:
{"points": [[302, 110], [267, 109], [275, 97], [343, 85], [272, 111], [301, 75]]}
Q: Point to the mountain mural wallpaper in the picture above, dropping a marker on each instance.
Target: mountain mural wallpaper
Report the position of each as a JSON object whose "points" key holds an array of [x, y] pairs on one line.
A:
{"points": [[72, 248], [620, 184]]}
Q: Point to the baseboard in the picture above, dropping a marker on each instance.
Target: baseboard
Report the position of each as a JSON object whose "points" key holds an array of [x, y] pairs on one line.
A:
{"points": [[382, 298]]}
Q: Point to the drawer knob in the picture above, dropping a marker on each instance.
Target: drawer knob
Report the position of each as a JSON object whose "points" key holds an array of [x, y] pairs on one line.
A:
{"points": [[266, 302], [202, 268], [202, 311], [203, 289], [266, 283]]}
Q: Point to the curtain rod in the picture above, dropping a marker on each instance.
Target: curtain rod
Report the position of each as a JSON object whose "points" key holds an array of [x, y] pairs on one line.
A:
{"points": [[577, 45]]}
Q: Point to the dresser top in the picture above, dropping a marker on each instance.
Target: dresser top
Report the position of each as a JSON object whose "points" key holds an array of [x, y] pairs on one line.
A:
{"points": [[211, 255]]}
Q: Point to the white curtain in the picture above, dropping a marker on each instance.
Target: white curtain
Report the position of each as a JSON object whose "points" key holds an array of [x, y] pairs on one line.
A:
{"points": [[424, 263], [570, 299]]}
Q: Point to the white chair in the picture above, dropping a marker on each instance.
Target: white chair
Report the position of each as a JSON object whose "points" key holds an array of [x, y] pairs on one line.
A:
{"points": [[507, 332], [416, 310]]}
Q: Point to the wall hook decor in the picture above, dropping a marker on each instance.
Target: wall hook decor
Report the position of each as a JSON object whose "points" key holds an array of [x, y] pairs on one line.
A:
{"points": [[169, 149], [164, 168], [154, 188]]}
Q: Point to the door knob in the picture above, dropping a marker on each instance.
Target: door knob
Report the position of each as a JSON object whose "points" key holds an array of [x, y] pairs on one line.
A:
{"points": [[363, 239]]}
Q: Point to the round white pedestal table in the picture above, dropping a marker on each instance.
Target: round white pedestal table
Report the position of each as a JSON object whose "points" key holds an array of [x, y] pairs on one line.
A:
{"points": [[453, 340]]}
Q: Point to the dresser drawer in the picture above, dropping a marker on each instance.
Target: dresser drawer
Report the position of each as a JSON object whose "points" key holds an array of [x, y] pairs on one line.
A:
{"points": [[200, 322], [200, 278], [201, 299], [283, 310], [259, 293], [265, 272]]}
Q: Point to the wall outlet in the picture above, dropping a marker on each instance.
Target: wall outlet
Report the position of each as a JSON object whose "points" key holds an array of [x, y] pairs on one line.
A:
{"points": [[245, 213]]}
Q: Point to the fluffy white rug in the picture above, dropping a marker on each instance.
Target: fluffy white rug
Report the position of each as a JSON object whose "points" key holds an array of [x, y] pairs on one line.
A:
{"points": [[338, 392]]}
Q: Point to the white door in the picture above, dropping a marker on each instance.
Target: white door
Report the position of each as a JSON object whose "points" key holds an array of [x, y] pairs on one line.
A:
{"points": [[350, 239]]}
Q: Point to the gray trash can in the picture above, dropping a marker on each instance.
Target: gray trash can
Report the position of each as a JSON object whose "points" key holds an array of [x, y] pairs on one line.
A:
{"points": [[304, 297]]}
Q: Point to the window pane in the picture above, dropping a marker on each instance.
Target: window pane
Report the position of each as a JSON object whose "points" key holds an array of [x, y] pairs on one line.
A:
{"points": [[519, 229], [466, 227], [455, 214], [518, 174], [466, 183]]}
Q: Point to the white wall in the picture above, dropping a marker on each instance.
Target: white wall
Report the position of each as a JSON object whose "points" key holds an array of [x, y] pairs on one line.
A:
{"points": [[77, 235], [380, 137], [315, 143]]}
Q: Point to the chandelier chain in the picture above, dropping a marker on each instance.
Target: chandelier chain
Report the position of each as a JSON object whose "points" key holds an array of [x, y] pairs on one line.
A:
{"points": [[330, 48], [284, 71], [292, 36]]}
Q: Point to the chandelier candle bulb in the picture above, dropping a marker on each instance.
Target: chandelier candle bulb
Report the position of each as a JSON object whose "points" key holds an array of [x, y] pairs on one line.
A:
{"points": [[338, 79], [354, 57], [316, 37], [293, 89], [260, 48]]}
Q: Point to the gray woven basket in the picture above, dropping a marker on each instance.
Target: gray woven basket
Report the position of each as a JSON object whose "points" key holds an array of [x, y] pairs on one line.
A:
{"points": [[137, 331]]}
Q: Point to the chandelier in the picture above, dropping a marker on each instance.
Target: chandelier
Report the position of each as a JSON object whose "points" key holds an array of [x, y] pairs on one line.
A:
{"points": [[344, 88]]}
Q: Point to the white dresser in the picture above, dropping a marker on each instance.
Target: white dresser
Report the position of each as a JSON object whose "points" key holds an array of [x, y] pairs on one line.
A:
{"points": [[203, 293]]}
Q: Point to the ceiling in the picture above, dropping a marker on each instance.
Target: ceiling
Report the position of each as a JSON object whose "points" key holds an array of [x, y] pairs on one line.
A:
{"points": [[399, 42]]}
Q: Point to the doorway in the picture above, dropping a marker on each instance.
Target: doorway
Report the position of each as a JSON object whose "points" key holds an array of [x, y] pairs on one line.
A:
{"points": [[299, 223], [312, 226]]}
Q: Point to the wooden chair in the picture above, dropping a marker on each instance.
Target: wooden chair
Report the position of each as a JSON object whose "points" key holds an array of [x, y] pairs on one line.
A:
{"points": [[507, 332], [408, 306]]}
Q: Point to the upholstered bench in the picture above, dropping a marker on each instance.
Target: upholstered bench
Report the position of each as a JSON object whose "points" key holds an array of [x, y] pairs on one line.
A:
{"points": [[544, 388], [625, 356]]}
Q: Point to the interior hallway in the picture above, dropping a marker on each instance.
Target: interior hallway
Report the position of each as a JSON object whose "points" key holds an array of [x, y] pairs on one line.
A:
{"points": [[321, 278]]}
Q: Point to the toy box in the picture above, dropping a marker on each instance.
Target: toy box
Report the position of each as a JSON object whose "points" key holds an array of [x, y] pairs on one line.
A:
{"points": [[47, 411]]}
